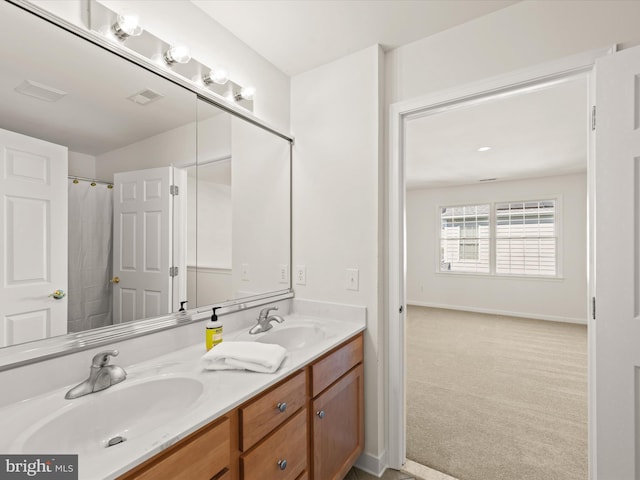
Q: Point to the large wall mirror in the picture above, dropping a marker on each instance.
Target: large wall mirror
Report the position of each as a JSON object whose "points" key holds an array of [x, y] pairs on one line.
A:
{"points": [[124, 193]]}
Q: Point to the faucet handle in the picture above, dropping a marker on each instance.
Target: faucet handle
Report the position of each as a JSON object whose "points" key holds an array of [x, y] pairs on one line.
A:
{"points": [[102, 358], [264, 313]]}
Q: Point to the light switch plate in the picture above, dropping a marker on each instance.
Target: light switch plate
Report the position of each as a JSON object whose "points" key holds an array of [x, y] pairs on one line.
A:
{"points": [[244, 272], [351, 279], [301, 274]]}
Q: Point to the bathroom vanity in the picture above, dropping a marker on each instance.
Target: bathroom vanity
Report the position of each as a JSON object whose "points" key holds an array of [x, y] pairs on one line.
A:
{"points": [[308, 426], [172, 418]]}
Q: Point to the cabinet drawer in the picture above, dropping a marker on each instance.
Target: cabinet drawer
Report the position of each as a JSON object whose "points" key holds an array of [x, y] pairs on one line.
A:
{"points": [[327, 370], [201, 457], [264, 414], [288, 443]]}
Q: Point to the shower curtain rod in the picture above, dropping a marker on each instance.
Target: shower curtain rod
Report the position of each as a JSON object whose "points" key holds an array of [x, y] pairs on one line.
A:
{"points": [[88, 179]]}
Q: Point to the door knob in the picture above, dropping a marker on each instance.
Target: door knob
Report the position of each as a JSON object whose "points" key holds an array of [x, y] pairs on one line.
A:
{"points": [[115, 280], [58, 294], [320, 413]]}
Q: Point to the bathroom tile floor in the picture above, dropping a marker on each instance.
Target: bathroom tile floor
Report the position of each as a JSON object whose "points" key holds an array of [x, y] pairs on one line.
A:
{"points": [[414, 471], [389, 474]]}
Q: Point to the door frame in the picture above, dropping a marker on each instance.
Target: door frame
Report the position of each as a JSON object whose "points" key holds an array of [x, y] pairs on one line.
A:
{"points": [[495, 87]]}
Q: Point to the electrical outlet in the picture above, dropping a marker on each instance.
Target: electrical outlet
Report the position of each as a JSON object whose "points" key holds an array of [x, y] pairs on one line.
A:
{"points": [[301, 275], [351, 279], [283, 276], [244, 272]]}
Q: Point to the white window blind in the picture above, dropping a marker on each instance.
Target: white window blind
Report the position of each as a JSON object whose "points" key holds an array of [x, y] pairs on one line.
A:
{"points": [[526, 238], [464, 239]]}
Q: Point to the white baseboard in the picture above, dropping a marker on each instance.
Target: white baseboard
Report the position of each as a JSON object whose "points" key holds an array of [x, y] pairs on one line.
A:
{"points": [[550, 318], [372, 464]]}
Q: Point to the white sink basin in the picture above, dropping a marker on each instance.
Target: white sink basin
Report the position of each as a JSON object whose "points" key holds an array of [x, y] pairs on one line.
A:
{"points": [[87, 424], [294, 337]]}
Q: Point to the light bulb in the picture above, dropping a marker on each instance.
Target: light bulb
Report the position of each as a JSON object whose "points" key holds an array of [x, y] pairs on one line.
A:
{"points": [[246, 93], [219, 76], [177, 54], [127, 26]]}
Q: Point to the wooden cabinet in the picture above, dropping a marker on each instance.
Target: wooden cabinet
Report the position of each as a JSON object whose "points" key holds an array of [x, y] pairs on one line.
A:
{"points": [[309, 426], [337, 412], [204, 455]]}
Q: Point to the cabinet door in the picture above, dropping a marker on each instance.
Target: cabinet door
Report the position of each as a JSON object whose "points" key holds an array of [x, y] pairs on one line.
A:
{"points": [[338, 427]]}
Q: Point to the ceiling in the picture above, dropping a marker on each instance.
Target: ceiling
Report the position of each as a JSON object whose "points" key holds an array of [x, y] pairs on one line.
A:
{"points": [[297, 36], [535, 134]]}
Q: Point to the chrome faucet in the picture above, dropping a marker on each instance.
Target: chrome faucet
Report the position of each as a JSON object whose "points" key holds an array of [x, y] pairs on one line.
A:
{"points": [[264, 321], [101, 376]]}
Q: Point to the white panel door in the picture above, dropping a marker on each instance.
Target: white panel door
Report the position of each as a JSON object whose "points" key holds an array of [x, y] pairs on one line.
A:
{"points": [[33, 238], [142, 244], [617, 267]]}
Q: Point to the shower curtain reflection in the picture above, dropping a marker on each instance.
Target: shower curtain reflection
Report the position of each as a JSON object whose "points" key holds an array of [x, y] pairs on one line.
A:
{"points": [[90, 255]]}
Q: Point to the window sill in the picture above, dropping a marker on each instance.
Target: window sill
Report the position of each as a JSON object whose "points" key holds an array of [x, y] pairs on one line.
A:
{"points": [[502, 276]]}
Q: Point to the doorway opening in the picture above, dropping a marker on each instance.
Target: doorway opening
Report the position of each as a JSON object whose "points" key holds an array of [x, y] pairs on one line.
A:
{"points": [[471, 245], [496, 247]]}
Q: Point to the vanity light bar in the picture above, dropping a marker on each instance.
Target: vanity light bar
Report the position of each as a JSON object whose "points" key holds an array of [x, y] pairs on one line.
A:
{"points": [[126, 31]]}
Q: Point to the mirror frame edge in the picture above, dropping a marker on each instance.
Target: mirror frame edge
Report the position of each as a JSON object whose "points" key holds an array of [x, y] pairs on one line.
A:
{"points": [[22, 354]]}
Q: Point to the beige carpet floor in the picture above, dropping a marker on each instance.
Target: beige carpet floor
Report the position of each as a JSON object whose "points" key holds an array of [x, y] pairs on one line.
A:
{"points": [[495, 397]]}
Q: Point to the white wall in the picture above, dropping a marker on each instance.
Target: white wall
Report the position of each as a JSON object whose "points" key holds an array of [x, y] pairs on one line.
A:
{"points": [[563, 299], [337, 219], [213, 226], [519, 36], [210, 43]]}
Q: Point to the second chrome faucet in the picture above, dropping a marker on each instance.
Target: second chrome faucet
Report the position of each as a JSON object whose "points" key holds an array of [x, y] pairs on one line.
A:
{"points": [[264, 320]]}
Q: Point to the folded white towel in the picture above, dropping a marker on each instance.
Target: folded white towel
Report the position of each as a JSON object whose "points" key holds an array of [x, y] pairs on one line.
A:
{"points": [[254, 356]]}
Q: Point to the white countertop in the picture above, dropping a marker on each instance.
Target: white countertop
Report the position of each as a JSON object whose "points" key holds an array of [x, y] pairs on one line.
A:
{"points": [[222, 391]]}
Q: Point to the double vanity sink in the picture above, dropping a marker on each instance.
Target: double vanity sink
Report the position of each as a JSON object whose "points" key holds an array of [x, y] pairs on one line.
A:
{"points": [[161, 401]]}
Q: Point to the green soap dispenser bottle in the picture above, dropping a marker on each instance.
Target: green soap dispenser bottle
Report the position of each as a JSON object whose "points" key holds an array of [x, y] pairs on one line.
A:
{"points": [[213, 331]]}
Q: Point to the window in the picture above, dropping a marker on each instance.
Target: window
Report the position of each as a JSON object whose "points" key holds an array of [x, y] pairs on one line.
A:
{"points": [[522, 239], [464, 238], [526, 238]]}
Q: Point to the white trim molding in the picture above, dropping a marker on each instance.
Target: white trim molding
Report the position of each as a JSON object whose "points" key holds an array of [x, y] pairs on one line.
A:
{"points": [[490, 311], [372, 464]]}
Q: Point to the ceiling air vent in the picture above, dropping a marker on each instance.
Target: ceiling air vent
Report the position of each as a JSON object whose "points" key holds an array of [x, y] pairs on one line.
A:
{"points": [[145, 97], [40, 91]]}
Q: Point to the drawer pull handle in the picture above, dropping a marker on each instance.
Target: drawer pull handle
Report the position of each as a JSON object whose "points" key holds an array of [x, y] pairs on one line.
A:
{"points": [[320, 413], [282, 464], [282, 406]]}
